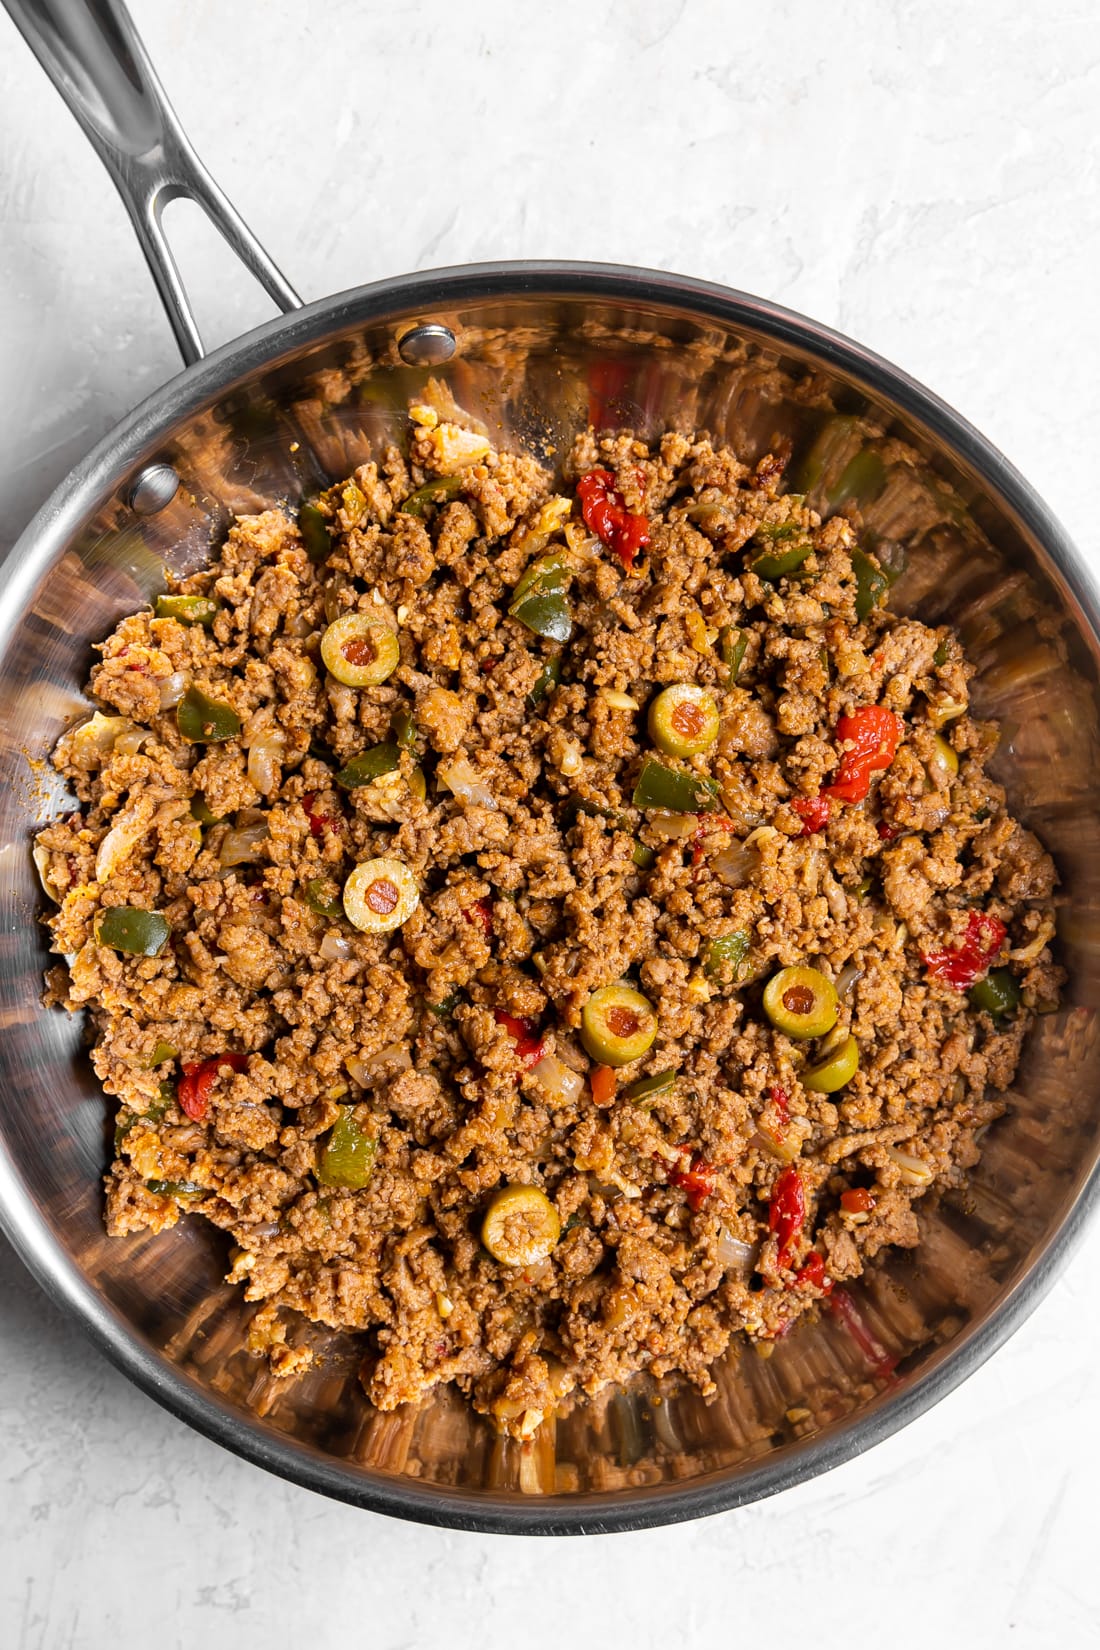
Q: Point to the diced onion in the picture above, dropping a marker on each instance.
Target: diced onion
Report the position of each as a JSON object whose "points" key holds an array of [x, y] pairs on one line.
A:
{"points": [[734, 1254], [93, 741], [241, 846], [388, 1062], [172, 689], [336, 947], [459, 776], [672, 827], [264, 762], [558, 1079], [120, 842], [734, 865], [914, 1170], [846, 979], [41, 857]]}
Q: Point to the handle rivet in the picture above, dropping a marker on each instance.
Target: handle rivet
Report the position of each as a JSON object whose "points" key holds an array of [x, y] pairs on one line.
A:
{"points": [[152, 489], [427, 346]]}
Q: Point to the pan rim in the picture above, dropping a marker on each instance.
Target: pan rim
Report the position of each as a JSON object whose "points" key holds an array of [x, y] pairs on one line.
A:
{"points": [[95, 479]]}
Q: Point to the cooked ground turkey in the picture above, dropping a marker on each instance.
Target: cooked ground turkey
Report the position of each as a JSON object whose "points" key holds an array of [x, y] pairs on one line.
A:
{"points": [[447, 1051]]}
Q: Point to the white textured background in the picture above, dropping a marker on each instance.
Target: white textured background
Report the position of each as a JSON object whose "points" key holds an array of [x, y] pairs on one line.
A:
{"points": [[923, 176]]}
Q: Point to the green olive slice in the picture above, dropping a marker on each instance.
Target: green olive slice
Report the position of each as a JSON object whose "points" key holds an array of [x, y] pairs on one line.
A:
{"points": [[832, 1074], [521, 1226], [618, 1025], [380, 895], [683, 720], [360, 651], [801, 1002], [348, 1157]]}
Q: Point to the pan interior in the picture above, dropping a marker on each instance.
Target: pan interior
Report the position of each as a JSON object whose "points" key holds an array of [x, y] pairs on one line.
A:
{"points": [[535, 365]]}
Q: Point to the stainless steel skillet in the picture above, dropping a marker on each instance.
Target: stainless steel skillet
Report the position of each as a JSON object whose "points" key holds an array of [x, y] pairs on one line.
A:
{"points": [[534, 349]]}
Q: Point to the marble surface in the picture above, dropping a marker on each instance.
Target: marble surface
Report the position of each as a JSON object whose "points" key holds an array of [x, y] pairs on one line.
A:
{"points": [[923, 177]]}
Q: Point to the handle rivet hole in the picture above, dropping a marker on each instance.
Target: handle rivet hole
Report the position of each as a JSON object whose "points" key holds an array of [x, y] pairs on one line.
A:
{"points": [[152, 489], [428, 345]]}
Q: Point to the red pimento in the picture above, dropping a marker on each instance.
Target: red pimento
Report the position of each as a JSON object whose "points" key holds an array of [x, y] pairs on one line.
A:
{"points": [[481, 915], [857, 1201], [813, 811], [813, 1272], [697, 1181], [960, 965], [530, 1047], [787, 1212], [874, 734], [606, 515], [198, 1079], [844, 1307], [887, 832]]}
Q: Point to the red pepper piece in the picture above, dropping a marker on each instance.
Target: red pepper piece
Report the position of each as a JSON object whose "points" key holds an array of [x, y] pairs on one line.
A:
{"points": [[813, 811], [842, 1306], [697, 1181], [857, 1201], [887, 832], [708, 822], [318, 823], [199, 1077], [874, 734], [960, 965], [782, 1105], [481, 915], [787, 1212], [606, 515], [602, 1081], [489, 665], [813, 1272], [530, 1047]]}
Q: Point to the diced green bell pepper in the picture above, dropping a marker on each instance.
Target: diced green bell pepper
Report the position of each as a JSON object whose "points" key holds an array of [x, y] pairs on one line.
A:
{"points": [[871, 583], [127, 928], [780, 564], [538, 600], [405, 730], [187, 609], [997, 994], [436, 491], [862, 479], [731, 650], [206, 721], [546, 682], [369, 766], [323, 897], [315, 532], [679, 793], [647, 1088]]}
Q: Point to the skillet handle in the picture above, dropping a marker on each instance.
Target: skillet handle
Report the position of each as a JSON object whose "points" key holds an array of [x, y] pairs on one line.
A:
{"points": [[94, 56]]}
